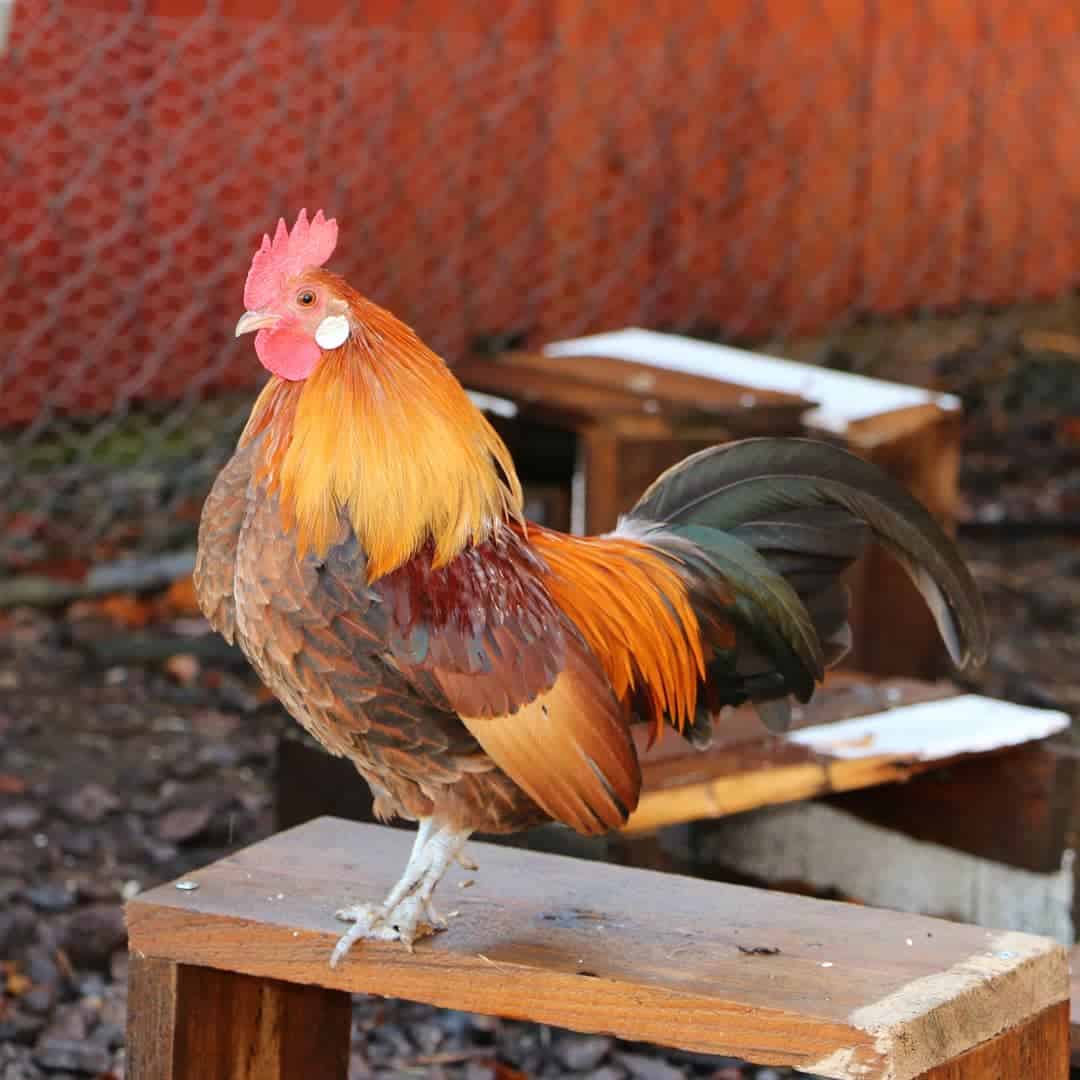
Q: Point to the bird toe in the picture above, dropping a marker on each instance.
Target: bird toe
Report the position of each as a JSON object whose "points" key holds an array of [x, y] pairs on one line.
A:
{"points": [[409, 921], [368, 914]]}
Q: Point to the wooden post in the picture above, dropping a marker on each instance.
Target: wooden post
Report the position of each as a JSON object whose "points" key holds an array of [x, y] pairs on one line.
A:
{"points": [[1038, 1049], [600, 448], [196, 1023]]}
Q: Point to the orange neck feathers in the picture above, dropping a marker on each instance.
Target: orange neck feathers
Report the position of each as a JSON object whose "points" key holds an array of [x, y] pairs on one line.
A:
{"points": [[383, 433]]}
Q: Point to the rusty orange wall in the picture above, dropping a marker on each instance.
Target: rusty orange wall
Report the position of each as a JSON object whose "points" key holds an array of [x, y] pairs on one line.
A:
{"points": [[763, 168]]}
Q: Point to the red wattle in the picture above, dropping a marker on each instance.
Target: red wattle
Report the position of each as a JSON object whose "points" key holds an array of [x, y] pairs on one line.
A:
{"points": [[286, 353]]}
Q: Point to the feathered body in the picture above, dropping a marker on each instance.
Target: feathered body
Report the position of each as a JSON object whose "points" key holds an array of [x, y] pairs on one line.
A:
{"points": [[366, 548], [382, 581]]}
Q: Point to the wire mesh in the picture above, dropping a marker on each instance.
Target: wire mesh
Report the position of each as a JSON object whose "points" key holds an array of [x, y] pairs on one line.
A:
{"points": [[774, 171]]}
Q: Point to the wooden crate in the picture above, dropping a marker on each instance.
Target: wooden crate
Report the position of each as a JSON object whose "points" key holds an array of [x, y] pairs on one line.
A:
{"points": [[629, 421]]}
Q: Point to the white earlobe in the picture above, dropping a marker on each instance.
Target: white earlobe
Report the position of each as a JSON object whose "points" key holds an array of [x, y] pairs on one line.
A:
{"points": [[332, 332]]}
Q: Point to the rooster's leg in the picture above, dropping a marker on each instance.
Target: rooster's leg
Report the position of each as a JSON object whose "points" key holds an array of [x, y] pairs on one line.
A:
{"points": [[407, 913], [415, 866]]}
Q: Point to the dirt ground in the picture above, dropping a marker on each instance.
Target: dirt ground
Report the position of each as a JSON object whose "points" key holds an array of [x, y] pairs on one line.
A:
{"points": [[122, 766]]}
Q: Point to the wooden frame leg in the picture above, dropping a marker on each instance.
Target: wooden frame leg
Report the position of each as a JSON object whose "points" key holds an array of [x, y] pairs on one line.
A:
{"points": [[195, 1023], [601, 451], [1037, 1049]]}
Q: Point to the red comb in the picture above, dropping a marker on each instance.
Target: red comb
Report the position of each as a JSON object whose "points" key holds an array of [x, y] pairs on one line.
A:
{"points": [[309, 244]]}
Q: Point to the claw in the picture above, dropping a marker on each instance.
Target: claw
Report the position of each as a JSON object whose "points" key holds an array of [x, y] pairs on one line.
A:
{"points": [[407, 914], [368, 913], [410, 921]]}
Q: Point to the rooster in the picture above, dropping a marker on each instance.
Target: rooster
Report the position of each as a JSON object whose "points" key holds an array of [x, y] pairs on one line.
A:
{"points": [[366, 548]]}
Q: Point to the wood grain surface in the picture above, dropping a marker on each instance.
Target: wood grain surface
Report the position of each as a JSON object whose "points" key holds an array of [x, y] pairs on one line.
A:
{"points": [[840, 990], [1074, 1002], [186, 1022], [747, 768], [1036, 1050], [1013, 807]]}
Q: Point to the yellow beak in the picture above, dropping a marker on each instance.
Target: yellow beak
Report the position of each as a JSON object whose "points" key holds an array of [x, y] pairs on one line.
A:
{"points": [[255, 320]]}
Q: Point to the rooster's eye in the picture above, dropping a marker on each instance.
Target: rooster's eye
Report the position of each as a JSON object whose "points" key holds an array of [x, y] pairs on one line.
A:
{"points": [[305, 298]]}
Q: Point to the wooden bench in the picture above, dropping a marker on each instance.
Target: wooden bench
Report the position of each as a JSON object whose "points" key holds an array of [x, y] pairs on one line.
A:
{"points": [[229, 981]]}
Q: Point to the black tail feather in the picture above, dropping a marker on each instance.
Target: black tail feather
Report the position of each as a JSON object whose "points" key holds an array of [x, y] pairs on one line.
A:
{"points": [[809, 510]]}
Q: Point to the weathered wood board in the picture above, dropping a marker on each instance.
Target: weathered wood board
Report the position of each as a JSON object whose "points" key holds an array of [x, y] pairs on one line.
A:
{"points": [[835, 989]]}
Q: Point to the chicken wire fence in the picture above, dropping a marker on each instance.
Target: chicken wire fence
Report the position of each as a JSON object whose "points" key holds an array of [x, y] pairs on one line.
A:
{"points": [[776, 171]]}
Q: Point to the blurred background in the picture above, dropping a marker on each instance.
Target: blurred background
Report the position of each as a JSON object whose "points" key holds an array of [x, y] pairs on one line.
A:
{"points": [[847, 181], [886, 189]]}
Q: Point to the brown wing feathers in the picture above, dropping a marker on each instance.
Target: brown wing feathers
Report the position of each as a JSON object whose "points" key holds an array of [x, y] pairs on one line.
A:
{"points": [[540, 642], [569, 748]]}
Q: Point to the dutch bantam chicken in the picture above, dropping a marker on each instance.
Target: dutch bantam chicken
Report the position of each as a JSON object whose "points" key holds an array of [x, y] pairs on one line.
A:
{"points": [[366, 548]]}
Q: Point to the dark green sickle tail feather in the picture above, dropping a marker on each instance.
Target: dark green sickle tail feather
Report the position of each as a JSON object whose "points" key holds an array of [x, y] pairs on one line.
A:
{"points": [[771, 524]]}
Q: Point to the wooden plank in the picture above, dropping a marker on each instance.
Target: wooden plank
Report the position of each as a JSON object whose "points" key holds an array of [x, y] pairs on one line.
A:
{"points": [[1036, 1050], [600, 448], [850, 992], [564, 398], [577, 399], [746, 768], [753, 784], [196, 1023], [151, 1017], [1013, 807], [841, 397], [1074, 1003], [646, 380], [860, 752]]}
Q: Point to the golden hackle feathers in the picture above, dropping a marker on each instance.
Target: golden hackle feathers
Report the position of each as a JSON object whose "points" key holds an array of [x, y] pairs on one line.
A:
{"points": [[384, 433], [632, 606]]}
